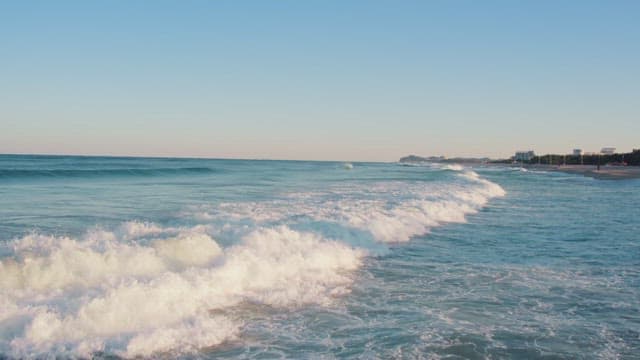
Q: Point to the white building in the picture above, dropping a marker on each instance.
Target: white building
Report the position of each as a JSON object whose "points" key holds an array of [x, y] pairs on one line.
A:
{"points": [[608, 150], [524, 155], [577, 152]]}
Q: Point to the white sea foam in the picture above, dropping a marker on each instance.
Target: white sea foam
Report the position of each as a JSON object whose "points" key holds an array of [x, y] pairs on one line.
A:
{"points": [[188, 337], [135, 229], [454, 167], [144, 289], [164, 294], [425, 209], [390, 211], [100, 256]]}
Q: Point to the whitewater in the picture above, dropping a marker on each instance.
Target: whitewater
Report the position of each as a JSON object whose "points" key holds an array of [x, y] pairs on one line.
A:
{"points": [[199, 258]]}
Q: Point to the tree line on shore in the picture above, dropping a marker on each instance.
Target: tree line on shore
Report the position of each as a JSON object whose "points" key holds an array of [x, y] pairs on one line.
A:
{"points": [[632, 158]]}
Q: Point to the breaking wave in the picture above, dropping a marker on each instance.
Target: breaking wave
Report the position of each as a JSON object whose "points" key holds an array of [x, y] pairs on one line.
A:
{"points": [[391, 212], [134, 299], [142, 289]]}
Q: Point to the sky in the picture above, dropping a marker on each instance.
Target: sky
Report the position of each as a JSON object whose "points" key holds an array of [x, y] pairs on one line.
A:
{"points": [[318, 80]]}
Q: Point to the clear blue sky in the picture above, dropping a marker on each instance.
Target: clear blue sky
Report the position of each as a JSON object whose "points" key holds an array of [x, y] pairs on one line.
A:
{"points": [[343, 80]]}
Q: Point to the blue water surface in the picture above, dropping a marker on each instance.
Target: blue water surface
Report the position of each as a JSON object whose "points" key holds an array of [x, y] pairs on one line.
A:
{"points": [[550, 270]]}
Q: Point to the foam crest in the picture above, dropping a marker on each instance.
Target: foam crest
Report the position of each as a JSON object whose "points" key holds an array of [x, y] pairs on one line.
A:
{"points": [[389, 211], [135, 229], [76, 263], [189, 337], [453, 167], [410, 219], [189, 249], [100, 256], [283, 267], [170, 310]]}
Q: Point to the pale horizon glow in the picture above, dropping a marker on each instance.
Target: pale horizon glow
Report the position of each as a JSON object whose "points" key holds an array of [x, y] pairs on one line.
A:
{"points": [[330, 80]]}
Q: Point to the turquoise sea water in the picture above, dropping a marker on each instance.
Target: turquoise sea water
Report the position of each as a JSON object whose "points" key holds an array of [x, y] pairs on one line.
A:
{"points": [[199, 258]]}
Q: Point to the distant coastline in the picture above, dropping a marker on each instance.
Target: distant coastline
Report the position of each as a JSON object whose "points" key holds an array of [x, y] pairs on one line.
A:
{"points": [[604, 172]]}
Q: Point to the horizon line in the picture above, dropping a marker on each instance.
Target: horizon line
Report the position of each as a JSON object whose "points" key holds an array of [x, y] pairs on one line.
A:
{"points": [[186, 157]]}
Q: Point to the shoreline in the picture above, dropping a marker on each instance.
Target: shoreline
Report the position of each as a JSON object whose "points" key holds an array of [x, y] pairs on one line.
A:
{"points": [[605, 172]]}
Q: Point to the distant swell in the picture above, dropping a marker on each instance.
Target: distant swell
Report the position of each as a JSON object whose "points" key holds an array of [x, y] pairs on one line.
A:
{"points": [[94, 173]]}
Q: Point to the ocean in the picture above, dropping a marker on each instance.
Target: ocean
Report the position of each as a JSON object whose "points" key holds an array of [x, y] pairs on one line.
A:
{"points": [[195, 258]]}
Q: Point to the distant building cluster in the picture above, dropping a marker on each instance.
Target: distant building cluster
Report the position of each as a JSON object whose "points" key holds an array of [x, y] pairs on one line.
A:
{"points": [[607, 156], [524, 155], [530, 154]]}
